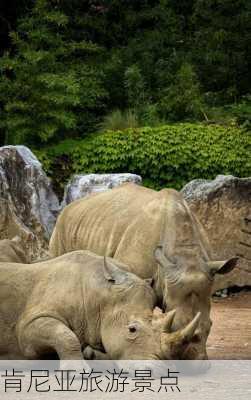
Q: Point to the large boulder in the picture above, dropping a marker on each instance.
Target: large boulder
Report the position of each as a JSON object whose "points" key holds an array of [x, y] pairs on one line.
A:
{"points": [[28, 205], [224, 208], [83, 185]]}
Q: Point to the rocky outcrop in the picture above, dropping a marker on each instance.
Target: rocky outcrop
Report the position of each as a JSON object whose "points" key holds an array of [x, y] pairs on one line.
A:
{"points": [[28, 205], [224, 208], [83, 185]]}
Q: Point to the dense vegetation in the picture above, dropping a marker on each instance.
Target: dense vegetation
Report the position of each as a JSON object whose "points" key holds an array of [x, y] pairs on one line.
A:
{"points": [[168, 155], [69, 69], [73, 67]]}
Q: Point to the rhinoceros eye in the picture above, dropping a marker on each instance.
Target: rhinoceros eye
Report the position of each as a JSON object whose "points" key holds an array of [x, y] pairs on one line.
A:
{"points": [[133, 328]]}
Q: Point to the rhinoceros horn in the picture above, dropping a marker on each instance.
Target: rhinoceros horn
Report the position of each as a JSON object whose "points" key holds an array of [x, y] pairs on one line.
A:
{"points": [[163, 320], [168, 320], [188, 332], [178, 339]]}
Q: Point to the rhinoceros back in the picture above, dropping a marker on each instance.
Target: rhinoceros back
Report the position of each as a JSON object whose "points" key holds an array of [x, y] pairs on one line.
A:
{"points": [[127, 223], [123, 223]]}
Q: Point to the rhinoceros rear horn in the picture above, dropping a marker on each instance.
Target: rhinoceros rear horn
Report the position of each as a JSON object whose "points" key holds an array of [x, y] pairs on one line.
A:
{"points": [[222, 267], [167, 321], [163, 320]]}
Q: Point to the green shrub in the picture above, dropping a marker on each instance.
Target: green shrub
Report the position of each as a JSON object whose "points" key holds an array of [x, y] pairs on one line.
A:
{"points": [[149, 116], [170, 155], [237, 113]]}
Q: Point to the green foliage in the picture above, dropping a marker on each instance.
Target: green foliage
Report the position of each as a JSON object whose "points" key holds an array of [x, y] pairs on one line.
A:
{"points": [[242, 112], [119, 121], [45, 84], [148, 115], [135, 86], [182, 100], [170, 155], [233, 114], [219, 42], [69, 63]]}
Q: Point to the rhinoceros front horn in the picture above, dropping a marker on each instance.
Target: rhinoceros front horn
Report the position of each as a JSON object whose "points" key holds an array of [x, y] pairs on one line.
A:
{"points": [[188, 332], [173, 343]]}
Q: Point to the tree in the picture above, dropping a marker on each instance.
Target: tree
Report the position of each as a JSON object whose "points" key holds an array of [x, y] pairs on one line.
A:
{"points": [[10, 10], [47, 84], [220, 47], [135, 86], [183, 100]]}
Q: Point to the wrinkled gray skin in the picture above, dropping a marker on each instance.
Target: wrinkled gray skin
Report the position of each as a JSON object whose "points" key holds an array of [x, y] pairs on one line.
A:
{"points": [[157, 236], [79, 299], [13, 251]]}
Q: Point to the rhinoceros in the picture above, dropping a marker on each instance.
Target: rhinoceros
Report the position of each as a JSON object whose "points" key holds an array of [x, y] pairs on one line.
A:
{"points": [[11, 250], [78, 299], [157, 236]]}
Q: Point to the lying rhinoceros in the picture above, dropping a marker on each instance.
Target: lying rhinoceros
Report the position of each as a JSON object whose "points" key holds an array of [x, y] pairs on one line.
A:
{"points": [[157, 235], [80, 299], [13, 251]]}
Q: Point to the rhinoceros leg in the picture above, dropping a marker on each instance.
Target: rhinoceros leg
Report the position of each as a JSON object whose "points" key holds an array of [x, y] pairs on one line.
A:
{"points": [[45, 334], [91, 354]]}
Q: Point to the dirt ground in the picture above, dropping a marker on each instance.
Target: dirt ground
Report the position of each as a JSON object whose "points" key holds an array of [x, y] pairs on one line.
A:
{"points": [[230, 337]]}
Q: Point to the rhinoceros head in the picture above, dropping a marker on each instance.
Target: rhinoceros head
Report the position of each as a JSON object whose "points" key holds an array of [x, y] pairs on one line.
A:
{"points": [[129, 330], [185, 282], [186, 273]]}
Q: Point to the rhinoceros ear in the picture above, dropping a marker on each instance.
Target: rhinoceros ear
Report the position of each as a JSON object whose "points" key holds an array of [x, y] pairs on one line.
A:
{"points": [[112, 273], [222, 267]]}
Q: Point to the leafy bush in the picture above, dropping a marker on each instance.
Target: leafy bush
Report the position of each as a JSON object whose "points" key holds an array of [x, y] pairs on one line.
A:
{"points": [[242, 112], [237, 113], [148, 115], [170, 155]]}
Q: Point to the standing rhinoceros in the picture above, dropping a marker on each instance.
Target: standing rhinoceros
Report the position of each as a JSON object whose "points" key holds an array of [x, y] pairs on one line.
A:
{"points": [[78, 299], [12, 251], [156, 234]]}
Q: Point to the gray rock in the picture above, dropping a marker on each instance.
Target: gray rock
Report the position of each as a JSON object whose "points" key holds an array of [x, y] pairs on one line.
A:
{"points": [[223, 206], [28, 205], [83, 185]]}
